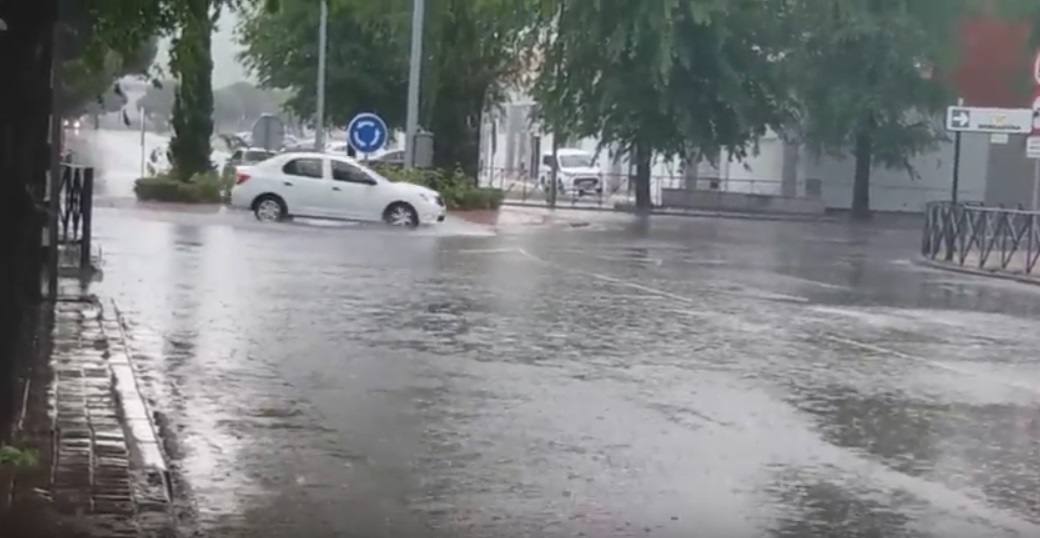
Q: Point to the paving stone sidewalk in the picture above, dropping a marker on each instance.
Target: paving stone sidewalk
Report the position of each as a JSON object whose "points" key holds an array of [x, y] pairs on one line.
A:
{"points": [[95, 435]]}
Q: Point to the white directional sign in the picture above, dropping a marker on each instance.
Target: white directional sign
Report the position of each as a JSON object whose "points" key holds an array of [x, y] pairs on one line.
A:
{"points": [[1033, 147], [989, 120]]}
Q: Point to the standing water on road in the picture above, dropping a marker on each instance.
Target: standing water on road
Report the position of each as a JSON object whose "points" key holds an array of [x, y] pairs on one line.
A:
{"points": [[672, 377]]}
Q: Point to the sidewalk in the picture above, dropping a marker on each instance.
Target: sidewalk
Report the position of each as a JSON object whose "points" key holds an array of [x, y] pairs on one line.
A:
{"points": [[101, 470], [992, 270]]}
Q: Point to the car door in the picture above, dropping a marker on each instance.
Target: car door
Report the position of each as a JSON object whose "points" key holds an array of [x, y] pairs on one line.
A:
{"points": [[303, 185], [354, 193]]}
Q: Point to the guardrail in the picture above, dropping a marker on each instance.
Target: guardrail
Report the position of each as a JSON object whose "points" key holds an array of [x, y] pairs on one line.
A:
{"points": [[986, 237]]}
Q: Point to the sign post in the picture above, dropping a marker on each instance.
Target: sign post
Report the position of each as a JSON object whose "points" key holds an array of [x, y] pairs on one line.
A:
{"points": [[1004, 121], [367, 133], [956, 189], [989, 120]]}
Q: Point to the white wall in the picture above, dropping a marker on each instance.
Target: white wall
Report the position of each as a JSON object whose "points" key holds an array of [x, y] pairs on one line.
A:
{"points": [[894, 189], [761, 173]]}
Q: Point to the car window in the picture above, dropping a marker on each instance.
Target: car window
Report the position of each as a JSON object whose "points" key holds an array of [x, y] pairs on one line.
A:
{"points": [[577, 161], [257, 156], [344, 171], [236, 156], [304, 167]]}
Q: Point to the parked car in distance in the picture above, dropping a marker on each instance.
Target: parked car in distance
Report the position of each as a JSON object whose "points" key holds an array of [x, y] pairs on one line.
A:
{"points": [[245, 157], [319, 185], [577, 174]]}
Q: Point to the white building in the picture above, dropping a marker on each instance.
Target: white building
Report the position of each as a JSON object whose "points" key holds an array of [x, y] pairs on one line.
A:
{"points": [[991, 172]]}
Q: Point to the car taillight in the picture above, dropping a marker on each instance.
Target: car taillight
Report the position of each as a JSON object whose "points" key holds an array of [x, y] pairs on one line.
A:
{"points": [[241, 177]]}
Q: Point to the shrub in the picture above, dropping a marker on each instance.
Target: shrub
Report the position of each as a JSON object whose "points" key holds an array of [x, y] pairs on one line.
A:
{"points": [[206, 188], [10, 455], [459, 191]]}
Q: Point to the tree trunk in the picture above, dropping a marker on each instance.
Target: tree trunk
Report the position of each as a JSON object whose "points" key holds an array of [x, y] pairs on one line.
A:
{"points": [[192, 62], [861, 184], [643, 158], [25, 108], [456, 127]]}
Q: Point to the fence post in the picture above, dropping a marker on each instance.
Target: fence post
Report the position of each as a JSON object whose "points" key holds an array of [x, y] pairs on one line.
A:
{"points": [[87, 208]]}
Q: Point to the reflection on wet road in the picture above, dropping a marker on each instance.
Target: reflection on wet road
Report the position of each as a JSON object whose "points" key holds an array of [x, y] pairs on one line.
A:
{"points": [[677, 377]]}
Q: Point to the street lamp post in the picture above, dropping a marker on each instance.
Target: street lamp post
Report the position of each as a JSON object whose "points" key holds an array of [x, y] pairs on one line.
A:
{"points": [[414, 73], [319, 122]]}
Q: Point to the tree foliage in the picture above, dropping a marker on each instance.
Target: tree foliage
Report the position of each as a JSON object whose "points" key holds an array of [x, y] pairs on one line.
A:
{"points": [[870, 78], [366, 69], [471, 47], [191, 60], [667, 77], [235, 106]]}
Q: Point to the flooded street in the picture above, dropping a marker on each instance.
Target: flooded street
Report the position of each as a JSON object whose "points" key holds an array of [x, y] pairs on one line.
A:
{"points": [[671, 377], [590, 374]]}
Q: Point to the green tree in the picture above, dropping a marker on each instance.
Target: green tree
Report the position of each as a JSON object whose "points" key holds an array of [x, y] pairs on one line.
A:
{"points": [[191, 61], [471, 52], [871, 79], [475, 50], [365, 72], [665, 77]]}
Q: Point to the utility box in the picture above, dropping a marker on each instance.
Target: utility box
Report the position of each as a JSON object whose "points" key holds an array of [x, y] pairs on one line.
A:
{"points": [[423, 149]]}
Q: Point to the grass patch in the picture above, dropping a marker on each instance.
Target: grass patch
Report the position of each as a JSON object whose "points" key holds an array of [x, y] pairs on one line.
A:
{"points": [[17, 457], [459, 191], [209, 188]]}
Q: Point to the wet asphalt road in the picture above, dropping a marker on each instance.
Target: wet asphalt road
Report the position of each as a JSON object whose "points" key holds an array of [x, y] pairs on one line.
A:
{"points": [[671, 377]]}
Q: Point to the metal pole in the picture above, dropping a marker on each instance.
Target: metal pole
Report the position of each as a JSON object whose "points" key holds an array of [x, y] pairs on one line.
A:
{"points": [[414, 74], [956, 167], [56, 169], [1036, 185], [957, 161], [86, 207], [555, 171], [142, 142], [323, 37]]}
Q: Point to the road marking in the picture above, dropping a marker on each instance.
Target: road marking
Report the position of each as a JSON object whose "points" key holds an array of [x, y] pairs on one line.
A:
{"points": [[930, 362]]}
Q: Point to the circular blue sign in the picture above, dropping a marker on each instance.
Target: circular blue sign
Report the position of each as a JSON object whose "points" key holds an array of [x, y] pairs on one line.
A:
{"points": [[367, 133]]}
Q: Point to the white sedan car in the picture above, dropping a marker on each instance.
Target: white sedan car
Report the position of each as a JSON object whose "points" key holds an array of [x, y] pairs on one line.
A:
{"points": [[318, 185]]}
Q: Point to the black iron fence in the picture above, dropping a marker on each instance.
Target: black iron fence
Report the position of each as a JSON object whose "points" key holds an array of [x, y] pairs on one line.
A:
{"points": [[985, 237], [74, 218], [612, 189]]}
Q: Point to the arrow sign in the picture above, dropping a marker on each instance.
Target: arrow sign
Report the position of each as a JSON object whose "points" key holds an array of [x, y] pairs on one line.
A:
{"points": [[989, 120], [960, 118], [367, 133]]}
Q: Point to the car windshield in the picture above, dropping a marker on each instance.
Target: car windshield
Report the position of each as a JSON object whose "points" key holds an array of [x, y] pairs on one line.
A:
{"points": [[576, 161], [254, 156]]}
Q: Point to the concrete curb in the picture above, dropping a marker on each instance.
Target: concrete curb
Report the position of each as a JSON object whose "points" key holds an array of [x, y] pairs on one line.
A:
{"points": [[954, 268], [135, 410], [677, 213]]}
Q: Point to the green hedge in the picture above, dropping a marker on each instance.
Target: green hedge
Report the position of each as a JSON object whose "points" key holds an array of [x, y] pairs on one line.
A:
{"points": [[200, 189], [459, 191]]}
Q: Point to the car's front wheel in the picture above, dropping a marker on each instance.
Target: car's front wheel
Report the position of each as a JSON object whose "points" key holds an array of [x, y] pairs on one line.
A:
{"points": [[402, 215], [270, 208]]}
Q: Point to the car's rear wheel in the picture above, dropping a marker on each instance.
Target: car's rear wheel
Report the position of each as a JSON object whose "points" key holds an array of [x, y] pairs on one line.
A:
{"points": [[401, 215], [270, 208]]}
